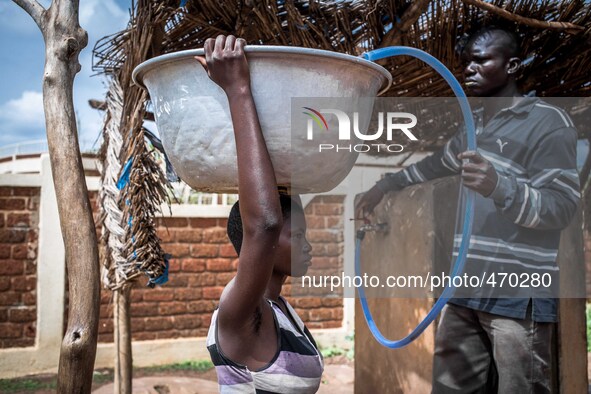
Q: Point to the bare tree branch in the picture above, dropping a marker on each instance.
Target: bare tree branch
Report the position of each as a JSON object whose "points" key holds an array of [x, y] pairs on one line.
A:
{"points": [[568, 27], [33, 8]]}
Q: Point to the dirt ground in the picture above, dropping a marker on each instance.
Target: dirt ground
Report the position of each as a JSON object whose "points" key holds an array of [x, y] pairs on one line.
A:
{"points": [[45, 384]]}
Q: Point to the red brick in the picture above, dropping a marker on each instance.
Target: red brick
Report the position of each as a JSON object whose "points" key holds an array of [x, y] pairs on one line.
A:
{"points": [[106, 311], [106, 326], [206, 321], [185, 322], [8, 330], [3, 315], [320, 314], [314, 325], [165, 235], [216, 235], [193, 265], [173, 222], [172, 334], [191, 235], [13, 343], [158, 323], [33, 204], [4, 283], [332, 324], [202, 222], [29, 298], [105, 338], [6, 191], [332, 199], [333, 249], [177, 250], [174, 265], [20, 252], [337, 314], [201, 306], [12, 204], [328, 209], [315, 222], [26, 191], [308, 303], [159, 294], [223, 222], [212, 293], [171, 308], [30, 330], [324, 262], [18, 220], [143, 336], [106, 296], [204, 250], [30, 267], [332, 302], [1, 219], [137, 324], [12, 236], [23, 283], [5, 251], [143, 309], [188, 294], [203, 279], [22, 315], [32, 236], [136, 296], [219, 265], [324, 236], [227, 250], [222, 278], [178, 280], [334, 222], [302, 313], [11, 267]]}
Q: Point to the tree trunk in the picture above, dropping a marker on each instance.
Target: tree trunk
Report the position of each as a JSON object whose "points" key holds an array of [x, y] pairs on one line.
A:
{"points": [[64, 39], [123, 357]]}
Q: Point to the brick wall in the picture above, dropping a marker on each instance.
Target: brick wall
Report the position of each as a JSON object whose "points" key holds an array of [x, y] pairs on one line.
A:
{"points": [[203, 262], [19, 217]]}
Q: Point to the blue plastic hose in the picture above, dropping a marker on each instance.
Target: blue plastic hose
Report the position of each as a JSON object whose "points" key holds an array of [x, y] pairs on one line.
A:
{"points": [[458, 266]]}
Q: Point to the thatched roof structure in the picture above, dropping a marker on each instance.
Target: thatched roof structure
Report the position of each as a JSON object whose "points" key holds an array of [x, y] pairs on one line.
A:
{"points": [[556, 35], [556, 40]]}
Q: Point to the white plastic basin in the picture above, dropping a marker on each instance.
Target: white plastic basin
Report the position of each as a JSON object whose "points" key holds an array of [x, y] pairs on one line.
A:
{"points": [[193, 117]]}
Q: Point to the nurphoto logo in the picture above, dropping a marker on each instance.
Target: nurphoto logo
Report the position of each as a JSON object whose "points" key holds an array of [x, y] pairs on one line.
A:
{"points": [[395, 122]]}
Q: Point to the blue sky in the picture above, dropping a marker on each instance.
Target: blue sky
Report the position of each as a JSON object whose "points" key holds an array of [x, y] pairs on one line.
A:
{"points": [[21, 69]]}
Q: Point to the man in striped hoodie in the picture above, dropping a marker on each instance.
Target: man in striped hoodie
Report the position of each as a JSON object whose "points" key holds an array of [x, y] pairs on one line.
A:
{"points": [[527, 185]]}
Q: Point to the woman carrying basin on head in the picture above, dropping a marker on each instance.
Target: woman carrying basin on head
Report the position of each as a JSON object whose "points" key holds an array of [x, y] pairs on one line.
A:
{"points": [[256, 340]]}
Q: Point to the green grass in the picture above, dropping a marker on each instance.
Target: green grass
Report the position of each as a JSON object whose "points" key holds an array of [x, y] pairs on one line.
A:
{"points": [[338, 351], [26, 384], [198, 366]]}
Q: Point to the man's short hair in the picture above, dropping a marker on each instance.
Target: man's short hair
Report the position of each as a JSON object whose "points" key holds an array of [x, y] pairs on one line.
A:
{"points": [[509, 40], [234, 228]]}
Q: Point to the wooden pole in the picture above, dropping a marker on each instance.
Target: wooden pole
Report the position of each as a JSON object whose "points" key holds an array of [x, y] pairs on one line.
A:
{"points": [[123, 358], [64, 39]]}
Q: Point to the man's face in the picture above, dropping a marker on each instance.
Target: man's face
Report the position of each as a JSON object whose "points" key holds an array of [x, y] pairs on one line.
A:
{"points": [[486, 67]]}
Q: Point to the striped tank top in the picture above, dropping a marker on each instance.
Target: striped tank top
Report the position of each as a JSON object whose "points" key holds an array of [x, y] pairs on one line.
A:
{"points": [[296, 368]]}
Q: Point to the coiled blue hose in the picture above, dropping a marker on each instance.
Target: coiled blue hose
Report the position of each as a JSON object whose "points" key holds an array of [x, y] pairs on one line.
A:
{"points": [[458, 266]]}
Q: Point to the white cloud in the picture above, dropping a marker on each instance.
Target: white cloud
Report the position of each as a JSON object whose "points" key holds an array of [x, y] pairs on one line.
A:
{"points": [[23, 112]]}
